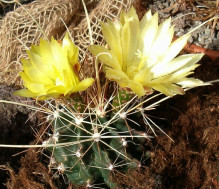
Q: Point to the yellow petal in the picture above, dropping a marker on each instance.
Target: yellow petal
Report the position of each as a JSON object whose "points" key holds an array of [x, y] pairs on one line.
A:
{"points": [[189, 82], [168, 89], [40, 64], [32, 86], [195, 58], [112, 37], [145, 19], [148, 35], [144, 76], [175, 64], [175, 48], [35, 74], [57, 90], [105, 56], [135, 86], [116, 75], [130, 38], [49, 72], [184, 72], [71, 49], [162, 42], [25, 93], [142, 55], [83, 85], [58, 56], [35, 49]]}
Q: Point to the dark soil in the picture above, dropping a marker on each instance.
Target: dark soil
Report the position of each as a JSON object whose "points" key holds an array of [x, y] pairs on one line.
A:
{"points": [[191, 161], [15, 129]]}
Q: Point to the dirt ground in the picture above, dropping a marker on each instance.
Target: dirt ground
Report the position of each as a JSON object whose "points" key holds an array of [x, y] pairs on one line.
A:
{"points": [[191, 161]]}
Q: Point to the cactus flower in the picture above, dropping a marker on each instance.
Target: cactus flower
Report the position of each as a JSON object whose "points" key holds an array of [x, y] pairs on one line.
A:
{"points": [[51, 70], [141, 56]]}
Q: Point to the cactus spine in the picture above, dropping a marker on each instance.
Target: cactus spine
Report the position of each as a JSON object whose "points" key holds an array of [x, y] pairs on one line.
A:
{"points": [[96, 140]]}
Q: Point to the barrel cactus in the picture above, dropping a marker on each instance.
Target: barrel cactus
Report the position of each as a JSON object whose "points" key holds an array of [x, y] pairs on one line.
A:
{"points": [[90, 143], [99, 124]]}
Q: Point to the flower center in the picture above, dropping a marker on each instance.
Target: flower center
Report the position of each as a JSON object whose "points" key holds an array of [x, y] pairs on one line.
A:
{"points": [[142, 60], [59, 82]]}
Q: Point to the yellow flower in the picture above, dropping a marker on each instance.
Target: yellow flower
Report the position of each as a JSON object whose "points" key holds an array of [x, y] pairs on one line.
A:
{"points": [[51, 70], [141, 55]]}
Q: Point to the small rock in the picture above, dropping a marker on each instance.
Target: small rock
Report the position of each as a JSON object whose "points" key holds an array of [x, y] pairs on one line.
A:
{"points": [[201, 40], [197, 23], [215, 42], [218, 34], [176, 29], [198, 44], [182, 31], [207, 31], [160, 5], [208, 43], [195, 35], [166, 4], [210, 46], [190, 40]]}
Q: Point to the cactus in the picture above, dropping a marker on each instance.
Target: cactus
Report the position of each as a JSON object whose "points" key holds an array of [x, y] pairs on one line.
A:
{"points": [[97, 140], [90, 133]]}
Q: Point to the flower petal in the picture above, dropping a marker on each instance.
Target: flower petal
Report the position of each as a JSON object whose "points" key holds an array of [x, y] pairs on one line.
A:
{"points": [[162, 42], [105, 56], [111, 34], [25, 93], [135, 86], [175, 64], [143, 77], [129, 37], [168, 89], [71, 49], [189, 82], [116, 75], [175, 48], [49, 72], [148, 34], [142, 55], [35, 74], [83, 85]]}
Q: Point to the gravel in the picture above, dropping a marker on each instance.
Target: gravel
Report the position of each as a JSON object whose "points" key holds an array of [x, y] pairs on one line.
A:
{"points": [[203, 36]]}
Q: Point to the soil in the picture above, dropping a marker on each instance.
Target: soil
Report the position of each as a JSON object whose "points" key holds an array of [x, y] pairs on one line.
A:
{"points": [[191, 120], [14, 129]]}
